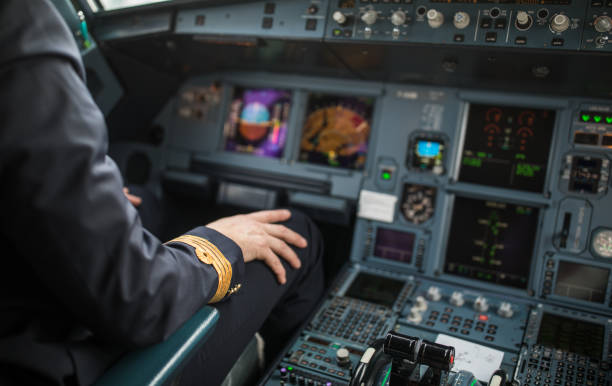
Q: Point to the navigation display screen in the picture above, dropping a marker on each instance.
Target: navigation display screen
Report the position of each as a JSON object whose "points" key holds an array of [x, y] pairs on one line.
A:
{"points": [[491, 241], [257, 121], [336, 131], [394, 245], [572, 335], [375, 289], [582, 282], [507, 147]]}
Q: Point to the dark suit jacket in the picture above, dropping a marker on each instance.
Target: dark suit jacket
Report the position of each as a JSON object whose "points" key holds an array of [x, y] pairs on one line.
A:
{"points": [[81, 280]]}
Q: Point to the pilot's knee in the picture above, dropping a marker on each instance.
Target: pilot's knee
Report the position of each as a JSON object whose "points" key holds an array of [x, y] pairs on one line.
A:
{"points": [[302, 224]]}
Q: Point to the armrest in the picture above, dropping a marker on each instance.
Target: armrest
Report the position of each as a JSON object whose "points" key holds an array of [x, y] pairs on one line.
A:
{"points": [[158, 364]]}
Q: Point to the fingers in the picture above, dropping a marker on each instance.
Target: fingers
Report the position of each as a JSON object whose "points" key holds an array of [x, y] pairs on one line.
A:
{"points": [[283, 250], [270, 216], [135, 200], [284, 233], [275, 265]]}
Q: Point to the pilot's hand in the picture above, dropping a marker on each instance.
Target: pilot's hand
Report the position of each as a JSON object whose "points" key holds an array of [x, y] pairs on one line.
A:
{"points": [[135, 200], [261, 239]]}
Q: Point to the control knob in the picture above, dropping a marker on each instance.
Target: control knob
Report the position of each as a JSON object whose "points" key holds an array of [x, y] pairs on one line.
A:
{"points": [[433, 294], [603, 24], [559, 23], [461, 20], [339, 17], [342, 357], [505, 310], [420, 303], [435, 19], [369, 17], [481, 304], [415, 315], [283, 374], [398, 18], [523, 21], [457, 299]]}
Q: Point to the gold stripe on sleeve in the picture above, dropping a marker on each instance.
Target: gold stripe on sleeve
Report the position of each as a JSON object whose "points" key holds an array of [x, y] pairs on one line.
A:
{"points": [[209, 254]]}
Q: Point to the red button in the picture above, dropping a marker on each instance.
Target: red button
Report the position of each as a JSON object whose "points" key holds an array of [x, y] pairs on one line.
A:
{"points": [[484, 318]]}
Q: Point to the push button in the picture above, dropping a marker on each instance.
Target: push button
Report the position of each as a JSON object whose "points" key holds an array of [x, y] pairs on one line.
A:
{"points": [[558, 42], [267, 22]]}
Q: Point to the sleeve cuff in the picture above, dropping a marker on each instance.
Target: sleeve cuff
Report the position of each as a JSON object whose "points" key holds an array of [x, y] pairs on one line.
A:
{"points": [[220, 252]]}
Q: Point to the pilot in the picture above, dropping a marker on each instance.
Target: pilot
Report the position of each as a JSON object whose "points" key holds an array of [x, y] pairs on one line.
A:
{"points": [[82, 282]]}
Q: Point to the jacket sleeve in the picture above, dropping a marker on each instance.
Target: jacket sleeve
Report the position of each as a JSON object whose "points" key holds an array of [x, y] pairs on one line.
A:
{"points": [[63, 209]]}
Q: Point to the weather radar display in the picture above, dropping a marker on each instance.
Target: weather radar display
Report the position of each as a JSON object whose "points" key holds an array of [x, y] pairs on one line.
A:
{"points": [[336, 131]]}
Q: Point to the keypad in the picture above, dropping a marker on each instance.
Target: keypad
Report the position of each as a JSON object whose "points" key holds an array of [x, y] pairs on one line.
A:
{"points": [[352, 320], [464, 326], [546, 366]]}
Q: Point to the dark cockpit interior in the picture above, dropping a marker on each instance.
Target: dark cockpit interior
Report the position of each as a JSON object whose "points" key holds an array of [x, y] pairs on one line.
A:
{"points": [[455, 156]]}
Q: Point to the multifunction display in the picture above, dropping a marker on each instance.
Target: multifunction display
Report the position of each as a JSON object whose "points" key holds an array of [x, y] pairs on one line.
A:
{"points": [[375, 289], [571, 335], [583, 282], [394, 245], [337, 130], [507, 147], [491, 241], [257, 121]]}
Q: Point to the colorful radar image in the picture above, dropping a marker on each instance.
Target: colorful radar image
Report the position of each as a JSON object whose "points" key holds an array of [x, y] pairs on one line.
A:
{"points": [[257, 121], [336, 131]]}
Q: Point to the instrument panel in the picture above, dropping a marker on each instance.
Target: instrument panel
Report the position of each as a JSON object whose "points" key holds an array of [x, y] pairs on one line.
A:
{"points": [[475, 210]]}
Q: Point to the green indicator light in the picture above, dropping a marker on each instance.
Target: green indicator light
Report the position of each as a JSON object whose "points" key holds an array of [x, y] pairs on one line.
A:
{"points": [[597, 118], [481, 154], [290, 368], [586, 117], [386, 175], [609, 119], [520, 156]]}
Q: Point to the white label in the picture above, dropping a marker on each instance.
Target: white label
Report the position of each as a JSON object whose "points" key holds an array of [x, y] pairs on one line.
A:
{"points": [[480, 360], [376, 206]]}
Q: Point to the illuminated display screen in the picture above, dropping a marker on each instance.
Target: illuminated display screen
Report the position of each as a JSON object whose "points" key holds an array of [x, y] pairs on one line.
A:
{"points": [[257, 122], [491, 241], [582, 282], [336, 131], [428, 154], [375, 289], [394, 245], [572, 335], [507, 147]]}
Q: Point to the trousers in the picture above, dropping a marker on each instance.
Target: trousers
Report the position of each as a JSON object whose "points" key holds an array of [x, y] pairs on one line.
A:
{"points": [[263, 305]]}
